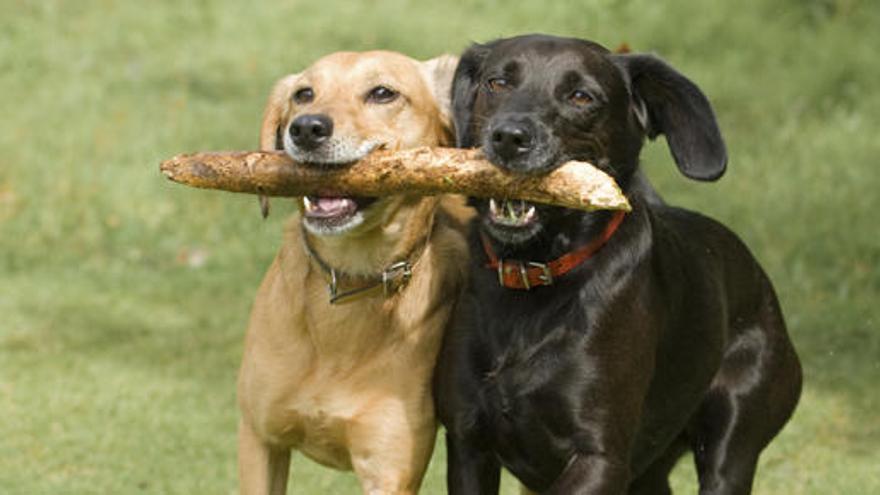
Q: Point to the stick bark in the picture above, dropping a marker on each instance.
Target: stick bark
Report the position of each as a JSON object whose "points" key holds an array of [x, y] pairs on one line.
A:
{"points": [[418, 171]]}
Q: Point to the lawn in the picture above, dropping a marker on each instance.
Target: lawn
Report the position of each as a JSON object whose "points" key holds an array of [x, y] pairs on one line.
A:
{"points": [[123, 298]]}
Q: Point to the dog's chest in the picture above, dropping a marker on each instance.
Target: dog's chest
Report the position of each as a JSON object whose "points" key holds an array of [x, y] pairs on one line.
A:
{"points": [[526, 404], [314, 393], [314, 419]]}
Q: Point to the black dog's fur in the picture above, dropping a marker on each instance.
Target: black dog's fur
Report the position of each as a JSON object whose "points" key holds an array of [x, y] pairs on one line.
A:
{"points": [[669, 338]]}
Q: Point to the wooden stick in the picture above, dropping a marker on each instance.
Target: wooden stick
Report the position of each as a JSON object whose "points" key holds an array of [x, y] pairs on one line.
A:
{"points": [[421, 171]]}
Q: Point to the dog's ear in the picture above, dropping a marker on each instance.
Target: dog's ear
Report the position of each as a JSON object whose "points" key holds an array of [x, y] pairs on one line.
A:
{"points": [[273, 116], [438, 73], [465, 84], [277, 106], [666, 102]]}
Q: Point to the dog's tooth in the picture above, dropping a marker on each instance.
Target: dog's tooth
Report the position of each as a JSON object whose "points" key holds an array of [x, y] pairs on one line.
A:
{"points": [[308, 203], [493, 206]]}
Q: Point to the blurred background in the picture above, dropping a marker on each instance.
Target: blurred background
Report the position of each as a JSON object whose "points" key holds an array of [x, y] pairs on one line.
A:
{"points": [[124, 298]]}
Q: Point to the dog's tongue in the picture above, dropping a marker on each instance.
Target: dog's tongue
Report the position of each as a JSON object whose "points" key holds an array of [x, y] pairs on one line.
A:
{"points": [[325, 207]]}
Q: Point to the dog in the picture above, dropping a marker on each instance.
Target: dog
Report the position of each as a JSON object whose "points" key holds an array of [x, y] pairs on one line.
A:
{"points": [[592, 349], [346, 326]]}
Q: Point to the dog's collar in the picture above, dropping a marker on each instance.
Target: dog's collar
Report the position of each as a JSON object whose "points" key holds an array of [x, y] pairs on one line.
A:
{"points": [[391, 280], [523, 275]]}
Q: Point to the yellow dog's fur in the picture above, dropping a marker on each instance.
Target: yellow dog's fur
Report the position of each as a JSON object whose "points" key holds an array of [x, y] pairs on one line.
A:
{"points": [[349, 385]]}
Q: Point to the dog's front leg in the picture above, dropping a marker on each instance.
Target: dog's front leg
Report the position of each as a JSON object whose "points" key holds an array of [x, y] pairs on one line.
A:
{"points": [[470, 469], [262, 470], [592, 474]]}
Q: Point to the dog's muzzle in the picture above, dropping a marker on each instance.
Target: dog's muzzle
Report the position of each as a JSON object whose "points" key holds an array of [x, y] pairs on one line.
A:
{"points": [[512, 141], [520, 145], [308, 132]]}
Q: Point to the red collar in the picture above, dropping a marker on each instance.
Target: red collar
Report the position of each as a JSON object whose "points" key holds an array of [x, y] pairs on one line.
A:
{"points": [[516, 274]]}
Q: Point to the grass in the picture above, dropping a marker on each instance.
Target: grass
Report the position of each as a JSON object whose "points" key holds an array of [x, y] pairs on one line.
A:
{"points": [[123, 298]]}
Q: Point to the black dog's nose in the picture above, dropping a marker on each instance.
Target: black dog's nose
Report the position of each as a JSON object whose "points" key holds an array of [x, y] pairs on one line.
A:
{"points": [[309, 131], [511, 140]]}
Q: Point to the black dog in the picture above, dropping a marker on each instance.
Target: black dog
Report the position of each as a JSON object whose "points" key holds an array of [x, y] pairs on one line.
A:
{"points": [[642, 335]]}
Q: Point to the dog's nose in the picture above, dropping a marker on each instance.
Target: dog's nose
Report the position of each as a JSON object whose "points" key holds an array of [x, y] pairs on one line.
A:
{"points": [[309, 131], [511, 140]]}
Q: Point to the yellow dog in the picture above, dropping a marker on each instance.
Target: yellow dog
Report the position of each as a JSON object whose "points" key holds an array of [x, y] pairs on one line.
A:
{"points": [[347, 323]]}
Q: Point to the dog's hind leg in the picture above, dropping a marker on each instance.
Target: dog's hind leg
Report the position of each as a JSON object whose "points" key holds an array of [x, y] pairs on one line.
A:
{"points": [[261, 469], [752, 396]]}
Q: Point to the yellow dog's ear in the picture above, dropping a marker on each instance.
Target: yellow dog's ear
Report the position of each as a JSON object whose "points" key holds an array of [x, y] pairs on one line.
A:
{"points": [[438, 74], [277, 107]]}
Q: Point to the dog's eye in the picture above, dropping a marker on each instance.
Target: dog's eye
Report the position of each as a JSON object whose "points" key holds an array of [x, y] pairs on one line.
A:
{"points": [[498, 84], [304, 95], [580, 98], [381, 94]]}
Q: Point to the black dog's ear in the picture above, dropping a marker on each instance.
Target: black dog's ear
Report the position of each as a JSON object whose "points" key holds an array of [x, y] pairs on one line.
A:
{"points": [[675, 106], [465, 84]]}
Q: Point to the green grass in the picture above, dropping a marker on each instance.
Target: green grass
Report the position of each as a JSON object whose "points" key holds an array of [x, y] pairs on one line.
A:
{"points": [[119, 349]]}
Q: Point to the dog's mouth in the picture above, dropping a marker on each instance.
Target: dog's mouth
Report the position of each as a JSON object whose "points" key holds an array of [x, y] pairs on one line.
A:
{"points": [[512, 213], [332, 214], [512, 221], [329, 215]]}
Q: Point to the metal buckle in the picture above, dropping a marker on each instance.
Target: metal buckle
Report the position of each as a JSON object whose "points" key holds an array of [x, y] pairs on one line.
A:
{"points": [[524, 275], [546, 275], [401, 269], [332, 286]]}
